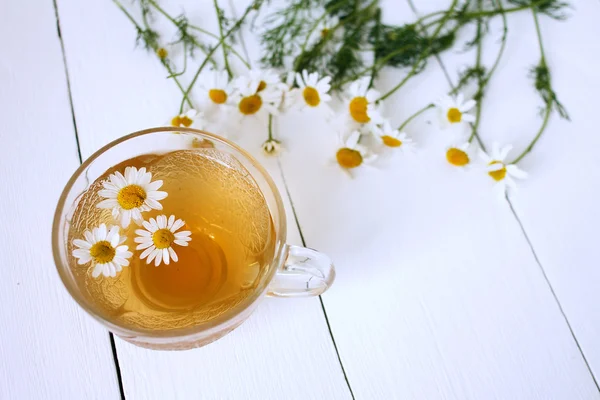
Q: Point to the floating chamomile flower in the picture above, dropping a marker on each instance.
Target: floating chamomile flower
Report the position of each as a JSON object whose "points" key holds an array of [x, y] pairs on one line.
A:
{"points": [[499, 171], [191, 117], [215, 89], [271, 147], [453, 110], [352, 154], [130, 195], [158, 238], [312, 92], [393, 138], [361, 102], [101, 248], [459, 155]]}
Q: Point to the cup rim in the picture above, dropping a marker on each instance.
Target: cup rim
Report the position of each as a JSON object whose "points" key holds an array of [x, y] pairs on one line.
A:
{"points": [[178, 332]]}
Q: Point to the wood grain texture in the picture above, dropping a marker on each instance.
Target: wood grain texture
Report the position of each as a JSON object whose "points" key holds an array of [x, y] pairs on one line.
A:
{"points": [[51, 349], [284, 350]]}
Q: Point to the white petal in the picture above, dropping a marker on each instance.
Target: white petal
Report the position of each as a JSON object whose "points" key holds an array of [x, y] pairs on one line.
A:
{"points": [[107, 193], [81, 253], [149, 226], [113, 236], [516, 172], [147, 252], [97, 270], [353, 139], [82, 244], [162, 221], [504, 152], [459, 99], [494, 167], [158, 258], [180, 242], [165, 256], [468, 118], [121, 261], [143, 232], [108, 203], [85, 259], [125, 218], [151, 187], [118, 179], [468, 105], [183, 234], [176, 225], [88, 236], [153, 204], [173, 254], [171, 221], [101, 232], [144, 245], [152, 255], [115, 212]]}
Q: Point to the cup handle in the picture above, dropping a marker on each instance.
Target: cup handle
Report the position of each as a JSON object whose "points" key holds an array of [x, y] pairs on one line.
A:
{"points": [[305, 272]]}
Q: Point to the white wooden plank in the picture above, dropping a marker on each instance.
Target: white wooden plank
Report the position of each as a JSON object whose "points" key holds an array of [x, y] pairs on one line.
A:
{"points": [[562, 165], [438, 294], [51, 349], [559, 204], [284, 350]]}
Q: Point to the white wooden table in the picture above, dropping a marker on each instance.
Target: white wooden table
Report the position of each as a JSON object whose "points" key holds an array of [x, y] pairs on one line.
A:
{"points": [[442, 291]]}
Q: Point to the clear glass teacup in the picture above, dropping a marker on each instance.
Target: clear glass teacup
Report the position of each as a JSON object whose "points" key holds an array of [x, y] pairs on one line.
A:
{"points": [[236, 226]]}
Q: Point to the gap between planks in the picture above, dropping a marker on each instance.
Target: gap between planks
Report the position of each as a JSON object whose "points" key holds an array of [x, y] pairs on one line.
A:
{"points": [[526, 236], [64, 58]]}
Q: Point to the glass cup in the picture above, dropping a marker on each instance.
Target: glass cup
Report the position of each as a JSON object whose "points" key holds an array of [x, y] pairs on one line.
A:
{"points": [[294, 271]]}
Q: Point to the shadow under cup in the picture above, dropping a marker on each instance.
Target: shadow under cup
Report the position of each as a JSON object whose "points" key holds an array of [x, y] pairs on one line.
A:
{"points": [[289, 271]]}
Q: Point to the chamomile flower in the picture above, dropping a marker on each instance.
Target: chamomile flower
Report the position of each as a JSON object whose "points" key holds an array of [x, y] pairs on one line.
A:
{"points": [[215, 88], [158, 238], [361, 102], [459, 155], [352, 154], [271, 147], [391, 137], [453, 110], [131, 194], [265, 80], [252, 99], [499, 171], [162, 53], [312, 91], [327, 25], [102, 248], [191, 117]]}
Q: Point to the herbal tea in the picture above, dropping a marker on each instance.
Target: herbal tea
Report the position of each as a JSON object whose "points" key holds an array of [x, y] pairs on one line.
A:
{"points": [[198, 234]]}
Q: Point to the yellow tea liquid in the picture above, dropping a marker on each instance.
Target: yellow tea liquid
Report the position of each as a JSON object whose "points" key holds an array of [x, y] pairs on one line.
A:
{"points": [[233, 243]]}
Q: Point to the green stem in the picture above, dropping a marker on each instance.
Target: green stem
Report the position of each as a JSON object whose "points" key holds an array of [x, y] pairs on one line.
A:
{"points": [[174, 22], [163, 62], [270, 127], [548, 110], [480, 83], [185, 58], [537, 136], [423, 55], [225, 60], [201, 67], [415, 115], [230, 48]]}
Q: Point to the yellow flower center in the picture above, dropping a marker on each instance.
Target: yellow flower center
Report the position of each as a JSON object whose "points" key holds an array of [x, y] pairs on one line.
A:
{"points": [[348, 158], [182, 120], [131, 196], [250, 104], [202, 144], [217, 96], [454, 115], [162, 53], [324, 32], [391, 141], [311, 96], [457, 157], [262, 85], [163, 238], [102, 252], [500, 174], [358, 110]]}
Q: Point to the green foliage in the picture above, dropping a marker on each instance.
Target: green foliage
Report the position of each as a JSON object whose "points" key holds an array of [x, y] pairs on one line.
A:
{"points": [[552, 8], [543, 85]]}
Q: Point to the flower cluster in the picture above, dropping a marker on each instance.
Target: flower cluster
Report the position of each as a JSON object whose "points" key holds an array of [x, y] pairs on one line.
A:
{"points": [[128, 196]]}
